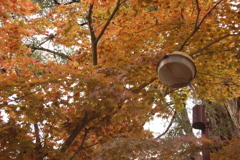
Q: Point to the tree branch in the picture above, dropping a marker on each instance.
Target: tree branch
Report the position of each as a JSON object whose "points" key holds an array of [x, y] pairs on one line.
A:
{"points": [[56, 2], [213, 42], [81, 145], [214, 6], [89, 19], [74, 1], [198, 13], [169, 125], [197, 25], [55, 53], [94, 38], [38, 147], [80, 125], [92, 34], [37, 133], [137, 90], [109, 19]]}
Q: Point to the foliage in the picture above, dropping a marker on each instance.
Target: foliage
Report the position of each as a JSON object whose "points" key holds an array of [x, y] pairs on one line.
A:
{"points": [[78, 78]]}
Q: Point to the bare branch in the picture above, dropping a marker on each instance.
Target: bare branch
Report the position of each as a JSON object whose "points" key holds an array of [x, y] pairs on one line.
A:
{"points": [[197, 25], [56, 53], [137, 90], [169, 125], [213, 42]]}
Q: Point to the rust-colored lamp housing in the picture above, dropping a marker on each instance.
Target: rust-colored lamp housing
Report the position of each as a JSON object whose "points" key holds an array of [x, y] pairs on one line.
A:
{"points": [[176, 70], [199, 117]]}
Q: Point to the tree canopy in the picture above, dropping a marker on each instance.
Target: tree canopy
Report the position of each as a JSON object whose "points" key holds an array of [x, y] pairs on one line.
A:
{"points": [[78, 77]]}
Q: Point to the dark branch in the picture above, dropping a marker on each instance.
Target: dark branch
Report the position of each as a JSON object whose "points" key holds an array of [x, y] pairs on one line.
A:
{"points": [[94, 38], [109, 19], [89, 19], [213, 42], [74, 1], [203, 54], [56, 2], [92, 34], [137, 90], [81, 146], [169, 125], [197, 25], [50, 51], [198, 13], [80, 125], [208, 13]]}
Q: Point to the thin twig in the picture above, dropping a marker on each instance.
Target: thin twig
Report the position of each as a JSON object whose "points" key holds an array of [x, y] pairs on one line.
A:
{"points": [[203, 54], [169, 125], [195, 57], [213, 42]]}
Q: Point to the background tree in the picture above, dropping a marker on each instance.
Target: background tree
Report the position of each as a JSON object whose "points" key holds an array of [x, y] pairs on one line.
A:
{"points": [[78, 78]]}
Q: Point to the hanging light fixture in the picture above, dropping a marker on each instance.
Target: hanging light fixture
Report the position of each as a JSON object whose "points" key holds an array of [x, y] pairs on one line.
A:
{"points": [[176, 70]]}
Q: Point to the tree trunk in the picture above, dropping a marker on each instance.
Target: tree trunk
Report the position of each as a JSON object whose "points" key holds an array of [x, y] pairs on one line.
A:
{"points": [[221, 123], [233, 107]]}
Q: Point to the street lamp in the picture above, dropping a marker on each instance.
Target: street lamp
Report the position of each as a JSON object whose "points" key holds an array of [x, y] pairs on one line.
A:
{"points": [[177, 70]]}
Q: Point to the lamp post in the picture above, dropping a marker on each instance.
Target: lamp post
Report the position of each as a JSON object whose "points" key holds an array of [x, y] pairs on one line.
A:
{"points": [[177, 70], [200, 122]]}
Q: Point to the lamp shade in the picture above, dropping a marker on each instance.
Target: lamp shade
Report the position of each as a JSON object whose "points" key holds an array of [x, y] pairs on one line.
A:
{"points": [[176, 70]]}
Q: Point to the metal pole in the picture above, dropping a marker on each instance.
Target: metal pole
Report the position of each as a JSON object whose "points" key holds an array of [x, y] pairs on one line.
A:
{"points": [[205, 133]]}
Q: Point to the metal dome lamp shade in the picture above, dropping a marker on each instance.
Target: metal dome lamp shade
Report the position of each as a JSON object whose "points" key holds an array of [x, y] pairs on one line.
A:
{"points": [[176, 70]]}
